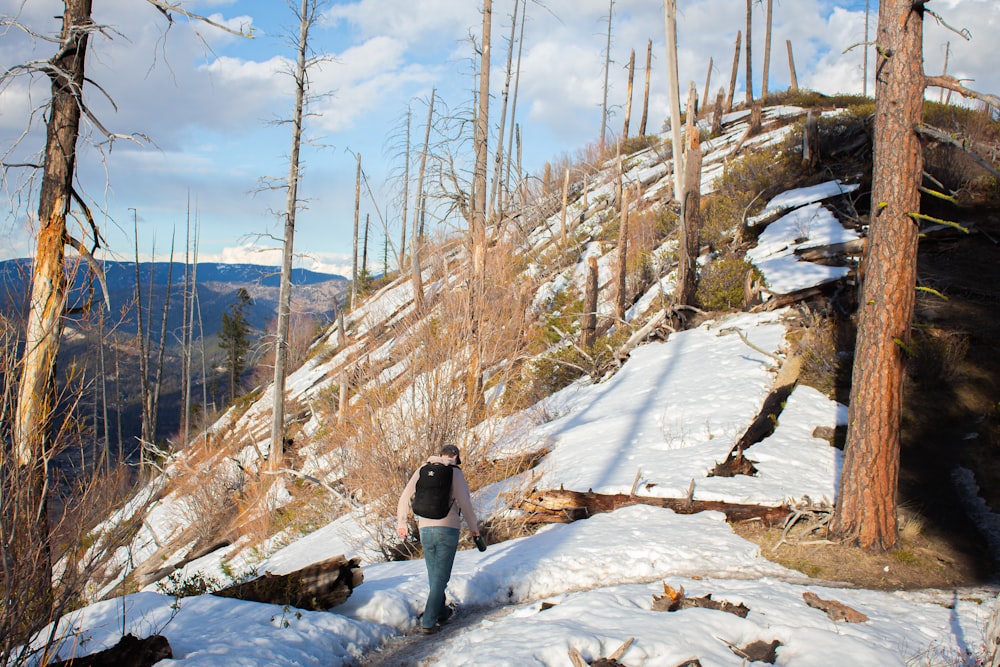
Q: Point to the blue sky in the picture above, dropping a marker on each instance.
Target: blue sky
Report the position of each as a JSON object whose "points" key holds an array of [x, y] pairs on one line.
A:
{"points": [[208, 101]]}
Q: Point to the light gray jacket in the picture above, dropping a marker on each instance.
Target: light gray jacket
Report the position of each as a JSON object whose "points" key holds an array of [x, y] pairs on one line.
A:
{"points": [[460, 500]]}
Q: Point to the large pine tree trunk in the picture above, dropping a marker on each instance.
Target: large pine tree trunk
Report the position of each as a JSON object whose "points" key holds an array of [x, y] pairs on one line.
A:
{"points": [[866, 507]]}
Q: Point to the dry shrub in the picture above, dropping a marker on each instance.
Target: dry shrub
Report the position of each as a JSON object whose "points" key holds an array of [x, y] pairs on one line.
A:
{"points": [[751, 180], [417, 400], [303, 328], [65, 541], [937, 354], [817, 346], [721, 285]]}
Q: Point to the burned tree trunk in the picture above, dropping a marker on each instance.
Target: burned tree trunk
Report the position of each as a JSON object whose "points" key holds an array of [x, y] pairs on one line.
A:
{"points": [[28, 523]]}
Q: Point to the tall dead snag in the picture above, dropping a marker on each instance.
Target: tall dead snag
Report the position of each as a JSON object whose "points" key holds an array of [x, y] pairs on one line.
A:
{"points": [[749, 60], [588, 334], [687, 255], [307, 16], [495, 196], [620, 300], [734, 73], [674, 94], [708, 82], [791, 67], [645, 95], [474, 379], [866, 505], [415, 239], [357, 217], [607, 71], [27, 522], [767, 52], [628, 98]]}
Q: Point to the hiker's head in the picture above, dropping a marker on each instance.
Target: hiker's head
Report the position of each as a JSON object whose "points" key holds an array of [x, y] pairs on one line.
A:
{"points": [[452, 451]]}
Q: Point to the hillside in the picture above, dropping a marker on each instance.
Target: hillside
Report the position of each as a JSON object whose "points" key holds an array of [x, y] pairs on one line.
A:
{"points": [[651, 422]]}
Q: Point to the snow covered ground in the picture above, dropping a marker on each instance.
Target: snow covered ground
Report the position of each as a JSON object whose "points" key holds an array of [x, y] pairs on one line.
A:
{"points": [[671, 413]]}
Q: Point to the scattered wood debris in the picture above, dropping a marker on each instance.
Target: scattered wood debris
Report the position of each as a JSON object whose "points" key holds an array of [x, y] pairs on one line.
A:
{"points": [[611, 661], [675, 600], [758, 651], [838, 611]]}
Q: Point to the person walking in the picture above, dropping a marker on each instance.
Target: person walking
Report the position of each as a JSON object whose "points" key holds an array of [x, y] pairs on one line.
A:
{"points": [[439, 536]]}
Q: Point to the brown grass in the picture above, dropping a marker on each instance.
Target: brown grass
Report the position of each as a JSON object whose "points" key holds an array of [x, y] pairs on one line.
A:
{"points": [[922, 560]]}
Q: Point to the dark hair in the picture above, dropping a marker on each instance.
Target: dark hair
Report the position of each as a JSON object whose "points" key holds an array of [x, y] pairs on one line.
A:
{"points": [[452, 450]]}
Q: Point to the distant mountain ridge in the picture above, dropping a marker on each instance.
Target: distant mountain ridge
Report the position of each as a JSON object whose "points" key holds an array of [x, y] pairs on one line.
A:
{"points": [[217, 285]]}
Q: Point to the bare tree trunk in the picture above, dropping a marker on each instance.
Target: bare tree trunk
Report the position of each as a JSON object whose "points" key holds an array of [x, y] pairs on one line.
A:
{"points": [[185, 309], [474, 395], [154, 405], [513, 112], [565, 199], [588, 333], [32, 438], [749, 59], [717, 114], [864, 83], [307, 16], [687, 255], [481, 147], [495, 196], [620, 300], [406, 196], [708, 82], [357, 213], [415, 240], [947, 53], [189, 328], [628, 100], [791, 66], [364, 251], [736, 68], [866, 507], [767, 52], [645, 95], [607, 71], [143, 351], [674, 94]]}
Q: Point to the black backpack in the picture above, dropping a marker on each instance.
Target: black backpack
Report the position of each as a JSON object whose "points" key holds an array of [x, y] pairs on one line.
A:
{"points": [[432, 499]]}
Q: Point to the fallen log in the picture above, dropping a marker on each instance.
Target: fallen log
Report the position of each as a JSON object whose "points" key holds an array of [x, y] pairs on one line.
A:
{"points": [[837, 611], [854, 247], [562, 506], [130, 651], [318, 587]]}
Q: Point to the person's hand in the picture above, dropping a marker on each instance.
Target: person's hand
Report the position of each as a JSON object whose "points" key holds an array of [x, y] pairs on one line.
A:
{"points": [[475, 533], [402, 531]]}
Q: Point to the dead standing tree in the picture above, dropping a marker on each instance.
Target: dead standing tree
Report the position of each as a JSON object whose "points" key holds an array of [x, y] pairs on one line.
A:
{"points": [[307, 14], [34, 414]]}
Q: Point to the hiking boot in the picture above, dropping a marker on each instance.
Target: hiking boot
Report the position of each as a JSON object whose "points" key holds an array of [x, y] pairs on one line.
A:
{"points": [[431, 630], [446, 615]]}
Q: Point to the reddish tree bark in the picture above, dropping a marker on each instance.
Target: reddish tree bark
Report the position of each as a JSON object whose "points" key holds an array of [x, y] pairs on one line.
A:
{"points": [[866, 507]]}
